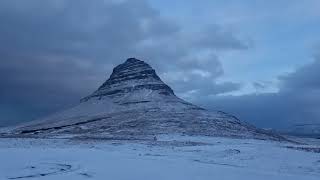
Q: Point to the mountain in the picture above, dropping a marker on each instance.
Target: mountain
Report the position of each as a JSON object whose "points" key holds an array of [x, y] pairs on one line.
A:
{"points": [[304, 130], [135, 103]]}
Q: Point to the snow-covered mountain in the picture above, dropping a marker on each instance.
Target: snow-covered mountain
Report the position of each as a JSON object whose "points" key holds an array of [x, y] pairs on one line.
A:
{"points": [[135, 103]]}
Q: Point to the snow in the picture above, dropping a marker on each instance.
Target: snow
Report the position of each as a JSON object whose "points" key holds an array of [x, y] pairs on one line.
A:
{"points": [[170, 157]]}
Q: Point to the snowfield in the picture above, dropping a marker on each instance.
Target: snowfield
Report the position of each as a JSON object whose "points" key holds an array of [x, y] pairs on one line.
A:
{"points": [[169, 157]]}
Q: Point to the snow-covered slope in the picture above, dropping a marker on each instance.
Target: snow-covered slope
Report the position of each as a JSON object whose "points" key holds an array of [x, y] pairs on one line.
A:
{"points": [[135, 103]]}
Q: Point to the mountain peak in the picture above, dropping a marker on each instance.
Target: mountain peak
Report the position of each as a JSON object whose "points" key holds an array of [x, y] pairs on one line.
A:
{"points": [[135, 103], [132, 60], [129, 77]]}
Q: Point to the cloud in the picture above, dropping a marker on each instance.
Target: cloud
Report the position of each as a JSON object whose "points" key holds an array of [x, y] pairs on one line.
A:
{"points": [[297, 102], [56, 52], [259, 85], [219, 38], [304, 79]]}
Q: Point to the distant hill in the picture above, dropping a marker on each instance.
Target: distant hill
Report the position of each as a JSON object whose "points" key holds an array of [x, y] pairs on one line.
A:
{"points": [[307, 130]]}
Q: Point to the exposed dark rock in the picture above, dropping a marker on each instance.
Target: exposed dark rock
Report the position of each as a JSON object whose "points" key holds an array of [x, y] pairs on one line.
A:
{"points": [[131, 76]]}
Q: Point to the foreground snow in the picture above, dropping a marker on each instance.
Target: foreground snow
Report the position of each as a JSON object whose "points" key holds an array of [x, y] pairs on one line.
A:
{"points": [[175, 157]]}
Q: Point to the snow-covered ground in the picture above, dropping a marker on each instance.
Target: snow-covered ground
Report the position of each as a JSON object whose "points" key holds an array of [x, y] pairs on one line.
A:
{"points": [[170, 157]]}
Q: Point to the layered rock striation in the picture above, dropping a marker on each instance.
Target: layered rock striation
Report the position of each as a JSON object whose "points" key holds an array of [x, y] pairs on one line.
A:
{"points": [[129, 77]]}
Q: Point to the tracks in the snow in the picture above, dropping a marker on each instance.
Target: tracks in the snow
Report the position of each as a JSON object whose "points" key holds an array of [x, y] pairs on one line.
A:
{"points": [[47, 170]]}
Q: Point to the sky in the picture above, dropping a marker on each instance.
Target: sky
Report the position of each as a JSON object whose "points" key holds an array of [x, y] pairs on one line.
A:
{"points": [[258, 60]]}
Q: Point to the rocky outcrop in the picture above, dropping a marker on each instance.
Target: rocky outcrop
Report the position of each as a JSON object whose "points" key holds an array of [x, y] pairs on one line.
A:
{"points": [[131, 76]]}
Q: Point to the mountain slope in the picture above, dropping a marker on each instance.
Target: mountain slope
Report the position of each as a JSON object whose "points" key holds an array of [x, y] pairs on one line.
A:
{"points": [[135, 103]]}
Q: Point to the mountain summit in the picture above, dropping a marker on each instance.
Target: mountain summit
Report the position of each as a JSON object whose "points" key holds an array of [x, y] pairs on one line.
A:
{"points": [[135, 103], [130, 77]]}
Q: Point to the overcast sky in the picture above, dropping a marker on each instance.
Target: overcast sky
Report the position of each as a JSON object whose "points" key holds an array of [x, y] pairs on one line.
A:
{"points": [[259, 60]]}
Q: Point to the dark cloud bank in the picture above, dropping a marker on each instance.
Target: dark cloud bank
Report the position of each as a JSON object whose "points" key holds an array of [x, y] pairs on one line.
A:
{"points": [[296, 103], [55, 52]]}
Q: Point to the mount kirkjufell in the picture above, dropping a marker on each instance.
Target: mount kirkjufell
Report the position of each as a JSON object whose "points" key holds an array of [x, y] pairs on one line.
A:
{"points": [[135, 103]]}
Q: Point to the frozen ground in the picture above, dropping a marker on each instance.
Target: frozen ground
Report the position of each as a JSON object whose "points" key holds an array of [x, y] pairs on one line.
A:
{"points": [[175, 157]]}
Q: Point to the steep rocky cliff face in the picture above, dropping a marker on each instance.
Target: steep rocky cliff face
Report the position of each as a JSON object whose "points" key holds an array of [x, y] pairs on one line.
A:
{"points": [[135, 103]]}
